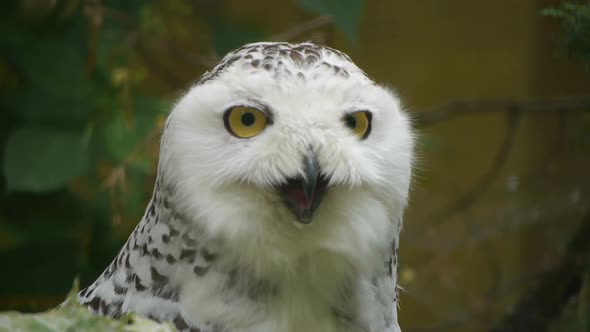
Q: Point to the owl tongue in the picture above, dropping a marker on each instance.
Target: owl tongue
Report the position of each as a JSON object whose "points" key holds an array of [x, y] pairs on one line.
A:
{"points": [[297, 196], [302, 194]]}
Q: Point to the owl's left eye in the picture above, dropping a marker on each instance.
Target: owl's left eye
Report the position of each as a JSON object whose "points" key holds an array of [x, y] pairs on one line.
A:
{"points": [[359, 123], [244, 122]]}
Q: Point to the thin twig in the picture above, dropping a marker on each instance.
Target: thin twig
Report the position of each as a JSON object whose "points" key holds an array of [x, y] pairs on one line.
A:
{"points": [[470, 197], [460, 107], [544, 301]]}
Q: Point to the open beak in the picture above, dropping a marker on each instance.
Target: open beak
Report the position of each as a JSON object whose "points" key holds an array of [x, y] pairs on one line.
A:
{"points": [[302, 195]]}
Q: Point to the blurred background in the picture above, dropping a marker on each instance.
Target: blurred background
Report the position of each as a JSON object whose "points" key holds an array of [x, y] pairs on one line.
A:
{"points": [[497, 236]]}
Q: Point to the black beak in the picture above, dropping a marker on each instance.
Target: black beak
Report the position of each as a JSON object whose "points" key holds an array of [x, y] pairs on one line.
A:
{"points": [[302, 195]]}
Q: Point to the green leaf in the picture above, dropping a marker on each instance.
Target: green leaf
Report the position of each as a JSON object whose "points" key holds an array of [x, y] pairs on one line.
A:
{"points": [[74, 317], [57, 68], [345, 13], [43, 159], [122, 136]]}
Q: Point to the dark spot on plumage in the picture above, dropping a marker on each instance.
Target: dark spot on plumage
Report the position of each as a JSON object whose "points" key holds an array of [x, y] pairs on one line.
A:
{"points": [[127, 263], [388, 266], [109, 272], [116, 308], [267, 66], [170, 259], [268, 58], [301, 76], [165, 238], [180, 323], [157, 277], [248, 56], [150, 240], [118, 260], [296, 57], [144, 249], [310, 59], [156, 253], [260, 289], [152, 317], [116, 313], [219, 68], [94, 303], [200, 270], [83, 292], [138, 285], [312, 51], [169, 294], [188, 254], [299, 48], [188, 241], [166, 203], [179, 217], [255, 63], [152, 209], [232, 60], [208, 256], [104, 307], [119, 290], [173, 232]]}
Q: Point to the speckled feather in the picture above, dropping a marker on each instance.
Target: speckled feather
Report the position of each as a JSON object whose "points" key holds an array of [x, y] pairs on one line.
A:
{"points": [[191, 262]]}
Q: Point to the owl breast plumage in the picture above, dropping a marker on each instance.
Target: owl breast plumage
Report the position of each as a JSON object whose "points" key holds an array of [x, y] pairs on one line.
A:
{"points": [[278, 203]]}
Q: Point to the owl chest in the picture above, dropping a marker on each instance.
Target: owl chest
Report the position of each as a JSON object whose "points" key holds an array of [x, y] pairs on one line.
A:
{"points": [[295, 303]]}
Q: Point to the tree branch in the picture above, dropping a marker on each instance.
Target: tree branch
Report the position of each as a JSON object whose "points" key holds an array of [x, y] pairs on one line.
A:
{"points": [[470, 197], [545, 300], [460, 107]]}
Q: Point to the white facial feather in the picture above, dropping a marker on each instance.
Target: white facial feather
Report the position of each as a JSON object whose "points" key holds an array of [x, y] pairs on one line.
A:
{"points": [[336, 273]]}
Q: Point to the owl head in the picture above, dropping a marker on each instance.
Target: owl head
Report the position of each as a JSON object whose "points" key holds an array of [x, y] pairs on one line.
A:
{"points": [[289, 148]]}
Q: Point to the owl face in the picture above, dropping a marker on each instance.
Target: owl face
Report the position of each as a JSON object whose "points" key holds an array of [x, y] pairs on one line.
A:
{"points": [[287, 134]]}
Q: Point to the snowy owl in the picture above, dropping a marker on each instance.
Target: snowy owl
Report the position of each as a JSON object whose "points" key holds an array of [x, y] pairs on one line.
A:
{"points": [[281, 185]]}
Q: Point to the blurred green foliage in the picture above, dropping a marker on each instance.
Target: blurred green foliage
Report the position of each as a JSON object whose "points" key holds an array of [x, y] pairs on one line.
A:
{"points": [[73, 317], [81, 124], [575, 20], [62, 104], [574, 17]]}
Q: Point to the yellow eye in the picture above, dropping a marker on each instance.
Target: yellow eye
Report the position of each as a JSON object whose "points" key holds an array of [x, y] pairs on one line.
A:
{"points": [[244, 122], [359, 123]]}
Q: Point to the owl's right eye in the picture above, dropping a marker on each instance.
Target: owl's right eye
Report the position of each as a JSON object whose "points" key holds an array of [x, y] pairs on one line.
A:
{"points": [[359, 123], [244, 122]]}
